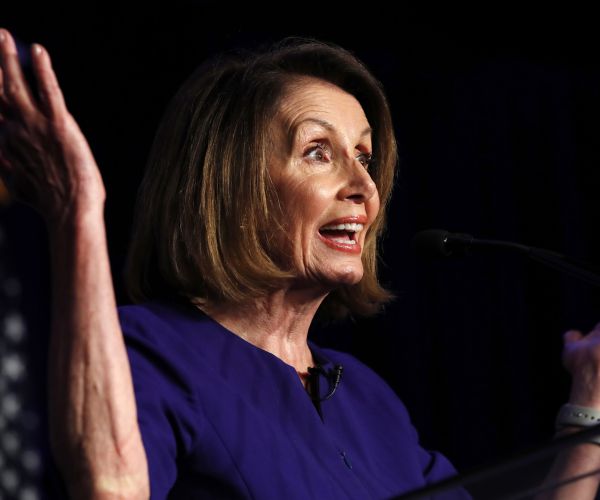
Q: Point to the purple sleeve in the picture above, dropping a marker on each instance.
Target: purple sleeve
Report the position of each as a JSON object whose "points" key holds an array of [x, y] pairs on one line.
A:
{"points": [[157, 434], [156, 383]]}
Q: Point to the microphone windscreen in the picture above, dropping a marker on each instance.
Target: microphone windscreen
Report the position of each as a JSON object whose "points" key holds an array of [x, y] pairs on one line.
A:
{"points": [[431, 243]]}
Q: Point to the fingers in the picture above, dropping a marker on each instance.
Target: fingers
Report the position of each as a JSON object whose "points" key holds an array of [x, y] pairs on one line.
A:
{"points": [[49, 90], [1, 88], [576, 335], [4, 108], [15, 90], [6, 169], [4, 163], [5, 166]]}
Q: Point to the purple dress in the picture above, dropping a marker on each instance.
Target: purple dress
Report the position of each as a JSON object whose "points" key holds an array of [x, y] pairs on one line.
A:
{"points": [[221, 418]]}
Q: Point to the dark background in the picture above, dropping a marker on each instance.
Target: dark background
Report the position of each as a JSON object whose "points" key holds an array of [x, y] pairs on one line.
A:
{"points": [[497, 118]]}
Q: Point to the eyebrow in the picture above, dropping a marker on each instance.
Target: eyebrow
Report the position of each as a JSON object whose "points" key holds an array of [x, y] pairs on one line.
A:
{"points": [[323, 123]]}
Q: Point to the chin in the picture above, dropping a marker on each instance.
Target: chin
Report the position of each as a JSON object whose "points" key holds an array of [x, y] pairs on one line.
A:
{"points": [[348, 276]]}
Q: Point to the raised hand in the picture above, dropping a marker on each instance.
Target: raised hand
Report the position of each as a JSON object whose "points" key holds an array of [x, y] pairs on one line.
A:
{"points": [[44, 157]]}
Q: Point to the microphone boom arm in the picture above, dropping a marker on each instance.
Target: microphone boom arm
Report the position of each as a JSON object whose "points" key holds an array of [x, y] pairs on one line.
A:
{"points": [[435, 242]]}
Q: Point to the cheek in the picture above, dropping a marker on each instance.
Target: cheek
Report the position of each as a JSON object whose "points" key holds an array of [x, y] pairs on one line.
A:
{"points": [[304, 212], [295, 207], [373, 205], [304, 201]]}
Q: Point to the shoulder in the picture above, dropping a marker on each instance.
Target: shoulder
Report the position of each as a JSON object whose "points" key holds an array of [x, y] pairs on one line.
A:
{"points": [[156, 315], [164, 325], [167, 342]]}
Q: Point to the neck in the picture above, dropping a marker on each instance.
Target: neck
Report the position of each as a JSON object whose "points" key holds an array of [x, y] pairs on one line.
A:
{"points": [[277, 323]]}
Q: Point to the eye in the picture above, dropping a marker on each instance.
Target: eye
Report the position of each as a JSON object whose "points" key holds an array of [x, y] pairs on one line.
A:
{"points": [[365, 159], [319, 152]]}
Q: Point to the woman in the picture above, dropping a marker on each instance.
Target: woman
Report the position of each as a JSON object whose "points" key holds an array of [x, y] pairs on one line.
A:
{"points": [[269, 206], [262, 203]]}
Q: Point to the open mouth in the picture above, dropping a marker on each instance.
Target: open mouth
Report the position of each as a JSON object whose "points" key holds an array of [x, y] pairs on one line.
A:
{"points": [[345, 234]]}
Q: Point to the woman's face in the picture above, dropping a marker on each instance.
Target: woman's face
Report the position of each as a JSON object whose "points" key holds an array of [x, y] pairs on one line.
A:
{"points": [[319, 166]]}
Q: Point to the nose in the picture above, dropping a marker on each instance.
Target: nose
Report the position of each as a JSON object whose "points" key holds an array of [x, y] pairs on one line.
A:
{"points": [[358, 186]]}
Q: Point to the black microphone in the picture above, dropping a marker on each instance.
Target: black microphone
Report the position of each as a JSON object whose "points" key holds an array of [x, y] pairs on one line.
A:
{"points": [[434, 243], [333, 377]]}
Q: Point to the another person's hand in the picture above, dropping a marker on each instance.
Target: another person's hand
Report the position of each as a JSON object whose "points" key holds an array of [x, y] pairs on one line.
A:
{"points": [[576, 467], [44, 157], [581, 357]]}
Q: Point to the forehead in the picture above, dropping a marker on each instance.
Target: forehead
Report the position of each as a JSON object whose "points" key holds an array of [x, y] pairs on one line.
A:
{"points": [[309, 100]]}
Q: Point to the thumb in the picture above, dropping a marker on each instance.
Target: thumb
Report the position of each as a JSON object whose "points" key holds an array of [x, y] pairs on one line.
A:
{"points": [[572, 336]]}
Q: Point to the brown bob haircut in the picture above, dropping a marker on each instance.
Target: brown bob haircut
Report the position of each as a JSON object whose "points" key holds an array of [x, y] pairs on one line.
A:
{"points": [[206, 206]]}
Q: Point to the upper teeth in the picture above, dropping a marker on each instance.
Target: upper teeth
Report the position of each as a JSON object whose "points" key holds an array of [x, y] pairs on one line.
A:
{"points": [[351, 226]]}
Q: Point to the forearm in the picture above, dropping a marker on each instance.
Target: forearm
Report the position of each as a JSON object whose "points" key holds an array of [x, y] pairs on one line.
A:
{"points": [[578, 468], [93, 421]]}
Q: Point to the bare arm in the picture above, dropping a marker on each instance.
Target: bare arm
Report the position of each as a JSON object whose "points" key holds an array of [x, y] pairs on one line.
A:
{"points": [[93, 424], [93, 421], [578, 469]]}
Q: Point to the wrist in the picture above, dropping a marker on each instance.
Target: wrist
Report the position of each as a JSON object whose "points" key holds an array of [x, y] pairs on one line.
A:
{"points": [[76, 218], [574, 418]]}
